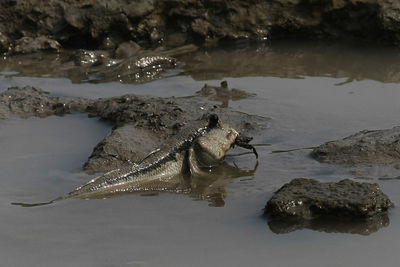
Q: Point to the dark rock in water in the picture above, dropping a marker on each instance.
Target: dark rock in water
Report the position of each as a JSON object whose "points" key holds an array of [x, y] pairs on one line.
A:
{"points": [[361, 226], [135, 70], [309, 199], [143, 67], [87, 58], [376, 147]]}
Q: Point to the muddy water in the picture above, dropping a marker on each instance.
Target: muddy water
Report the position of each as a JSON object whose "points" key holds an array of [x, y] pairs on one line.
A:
{"points": [[313, 94]]}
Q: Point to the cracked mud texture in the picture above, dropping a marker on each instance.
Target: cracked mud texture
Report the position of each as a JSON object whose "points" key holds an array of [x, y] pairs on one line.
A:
{"points": [[141, 123], [370, 147], [307, 199], [100, 24]]}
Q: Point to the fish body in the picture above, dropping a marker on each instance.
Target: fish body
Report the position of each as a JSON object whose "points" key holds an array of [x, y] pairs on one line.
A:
{"points": [[193, 153]]}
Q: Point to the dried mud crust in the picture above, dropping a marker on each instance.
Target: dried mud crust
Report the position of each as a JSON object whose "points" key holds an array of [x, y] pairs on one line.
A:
{"points": [[369, 147], [29, 25], [141, 123]]}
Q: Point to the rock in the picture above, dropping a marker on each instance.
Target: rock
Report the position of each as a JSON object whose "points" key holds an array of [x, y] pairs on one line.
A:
{"points": [[139, 9], [308, 199], [137, 69], [27, 45], [89, 58], [375, 147], [125, 145]]}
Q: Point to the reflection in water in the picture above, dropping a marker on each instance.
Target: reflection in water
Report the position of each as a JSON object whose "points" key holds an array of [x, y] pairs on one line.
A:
{"points": [[209, 186], [284, 60], [212, 186], [361, 226], [297, 60]]}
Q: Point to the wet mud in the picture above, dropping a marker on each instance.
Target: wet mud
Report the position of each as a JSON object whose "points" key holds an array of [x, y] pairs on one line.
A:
{"points": [[27, 26]]}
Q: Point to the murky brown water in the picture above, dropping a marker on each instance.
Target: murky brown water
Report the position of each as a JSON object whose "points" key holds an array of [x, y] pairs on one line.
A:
{"points": [[313, 93]]}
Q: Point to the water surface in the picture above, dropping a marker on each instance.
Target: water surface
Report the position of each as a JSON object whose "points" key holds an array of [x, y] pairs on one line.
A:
{"points": [[313, 93]]}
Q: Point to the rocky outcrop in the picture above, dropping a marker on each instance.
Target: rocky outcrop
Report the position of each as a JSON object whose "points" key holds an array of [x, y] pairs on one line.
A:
{"points": [[104, 24]]}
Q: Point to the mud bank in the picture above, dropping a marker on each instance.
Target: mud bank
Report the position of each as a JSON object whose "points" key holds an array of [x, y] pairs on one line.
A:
{"points": [[371, 147], [345, 206], [141, 123], [27, 26]]}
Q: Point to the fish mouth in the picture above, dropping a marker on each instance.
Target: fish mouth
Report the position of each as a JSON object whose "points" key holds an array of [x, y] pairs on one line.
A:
{"points": [[243, 141]]}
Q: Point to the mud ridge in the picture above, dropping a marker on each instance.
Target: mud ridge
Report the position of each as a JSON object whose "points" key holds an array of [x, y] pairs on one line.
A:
{"points": [[31, 25]]}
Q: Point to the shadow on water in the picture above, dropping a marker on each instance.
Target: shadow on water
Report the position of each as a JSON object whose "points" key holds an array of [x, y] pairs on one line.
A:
{"points": [[209, 186], [29, 205], [361, 226]]}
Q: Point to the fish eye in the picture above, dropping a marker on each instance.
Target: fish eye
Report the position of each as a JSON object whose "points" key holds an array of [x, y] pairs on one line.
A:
{"points": [[213, 120]]}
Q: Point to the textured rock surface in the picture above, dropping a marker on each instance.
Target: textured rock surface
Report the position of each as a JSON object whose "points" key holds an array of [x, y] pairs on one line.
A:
{"points": [[99, 23], [375, 147], [309, 199]]}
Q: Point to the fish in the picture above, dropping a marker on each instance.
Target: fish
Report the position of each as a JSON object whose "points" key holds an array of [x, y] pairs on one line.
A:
{"points": [[192, 153]]}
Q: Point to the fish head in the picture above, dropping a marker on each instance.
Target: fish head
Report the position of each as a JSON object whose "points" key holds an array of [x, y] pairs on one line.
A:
{"points": [[211, 148]]}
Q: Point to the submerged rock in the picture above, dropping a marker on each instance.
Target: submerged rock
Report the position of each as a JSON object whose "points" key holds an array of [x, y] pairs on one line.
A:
{"points": [[308, 199], [375, 147], [87, 58], [361, 226], [142, 67]]}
